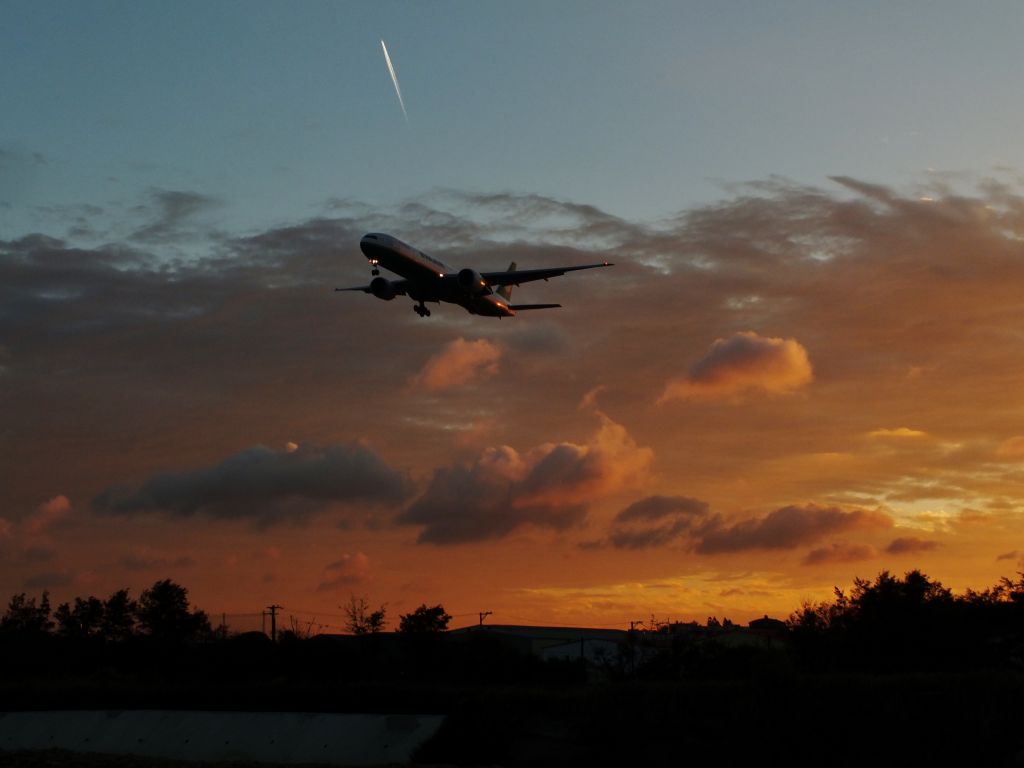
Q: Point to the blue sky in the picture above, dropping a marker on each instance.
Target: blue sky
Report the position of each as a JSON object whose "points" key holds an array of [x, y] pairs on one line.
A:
{"points": [[642, 109]]}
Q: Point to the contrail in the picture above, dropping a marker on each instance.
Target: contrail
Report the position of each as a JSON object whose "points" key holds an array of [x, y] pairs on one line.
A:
{"points": [[394, 79]]}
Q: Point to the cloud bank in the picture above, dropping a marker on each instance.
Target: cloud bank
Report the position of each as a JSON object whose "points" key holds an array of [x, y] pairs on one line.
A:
{"points": [[265, 486], [787, 528], [689, 524]]}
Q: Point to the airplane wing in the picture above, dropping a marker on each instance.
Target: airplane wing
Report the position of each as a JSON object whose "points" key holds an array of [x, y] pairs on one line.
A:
{"points": [[400, 286], [529, 275]]}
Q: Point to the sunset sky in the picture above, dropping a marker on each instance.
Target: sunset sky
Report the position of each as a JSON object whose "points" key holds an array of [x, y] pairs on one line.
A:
{"points": [[806, 365]]}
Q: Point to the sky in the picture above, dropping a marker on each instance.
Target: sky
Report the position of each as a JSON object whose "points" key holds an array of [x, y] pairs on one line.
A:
{"points": [[806, 365]]}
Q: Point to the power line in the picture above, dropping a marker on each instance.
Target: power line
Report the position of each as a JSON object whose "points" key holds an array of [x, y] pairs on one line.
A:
{"points": [[314, 613]]}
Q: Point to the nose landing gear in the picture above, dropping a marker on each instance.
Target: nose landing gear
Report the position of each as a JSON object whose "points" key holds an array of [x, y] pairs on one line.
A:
{"points": [[375, 270], [421, 310]]}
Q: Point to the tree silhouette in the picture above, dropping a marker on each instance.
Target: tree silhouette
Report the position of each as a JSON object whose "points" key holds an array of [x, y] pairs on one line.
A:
{"points": [[908, 623], [85, 619], [424, 620], [163, 612], [360, 620], [24, 617], [119, 616]]}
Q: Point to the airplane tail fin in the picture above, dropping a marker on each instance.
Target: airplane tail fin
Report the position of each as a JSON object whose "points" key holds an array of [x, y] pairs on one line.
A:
{"points": [[506, 290]]}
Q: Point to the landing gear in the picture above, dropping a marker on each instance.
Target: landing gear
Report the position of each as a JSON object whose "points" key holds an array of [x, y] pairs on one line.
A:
{"points": [[375, 270], [421, 310]]}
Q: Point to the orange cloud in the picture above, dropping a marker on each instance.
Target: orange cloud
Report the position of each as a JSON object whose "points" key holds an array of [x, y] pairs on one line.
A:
{"points": [[460, 363], [565, 473], [347, 570], [46, 514], [745, 361], [839, 552], [550, 485], [908, 544], [900, 433], [589, 399]]}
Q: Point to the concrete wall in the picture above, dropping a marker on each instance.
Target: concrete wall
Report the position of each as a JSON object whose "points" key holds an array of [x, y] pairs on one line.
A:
{"points": [[280, 737]]}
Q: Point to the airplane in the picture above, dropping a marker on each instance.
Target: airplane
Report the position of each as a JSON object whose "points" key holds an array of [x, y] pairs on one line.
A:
{"points": [[427, 279]]}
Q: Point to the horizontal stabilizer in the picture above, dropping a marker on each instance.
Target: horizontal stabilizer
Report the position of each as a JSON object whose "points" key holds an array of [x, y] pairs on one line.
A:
{"points": [[518, 307]]}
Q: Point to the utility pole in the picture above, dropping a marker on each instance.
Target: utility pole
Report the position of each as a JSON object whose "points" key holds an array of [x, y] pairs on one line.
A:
{"points": [[484, 615], [273, 621]]}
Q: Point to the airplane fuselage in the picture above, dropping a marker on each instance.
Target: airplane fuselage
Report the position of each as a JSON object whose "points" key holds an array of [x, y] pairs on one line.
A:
{"points": [[432, 280]]}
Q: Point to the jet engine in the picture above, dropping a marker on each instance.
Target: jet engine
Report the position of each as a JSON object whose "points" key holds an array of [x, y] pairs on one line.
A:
{"points": [[382, 288], [472, 283]]}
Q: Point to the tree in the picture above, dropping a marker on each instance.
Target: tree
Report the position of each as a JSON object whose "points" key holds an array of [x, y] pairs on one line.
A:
{"points": [[119, 616], [85, 619], [360, 620], [163, 612], [24, 617], [424, 620]]}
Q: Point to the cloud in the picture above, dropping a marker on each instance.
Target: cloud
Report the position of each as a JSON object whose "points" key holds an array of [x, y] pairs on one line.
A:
{"points": [[745, 361], [900, 433], [589, 400], [46, 515], [787, 528], [655, 521], [659, 507], [840, 552], [266, 486], [1014, 555], [906, 544], [665, 520], [174, 210], [549, 486], [459, 364], [348, 570]]}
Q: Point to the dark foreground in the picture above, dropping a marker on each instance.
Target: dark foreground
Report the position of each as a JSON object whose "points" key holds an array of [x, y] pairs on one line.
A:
{"points": [[854, 720], [58, 758]]}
